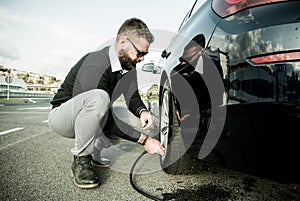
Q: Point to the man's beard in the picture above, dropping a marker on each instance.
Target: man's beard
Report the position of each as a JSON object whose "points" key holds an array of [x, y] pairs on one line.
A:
{"points": [[126, 62]]}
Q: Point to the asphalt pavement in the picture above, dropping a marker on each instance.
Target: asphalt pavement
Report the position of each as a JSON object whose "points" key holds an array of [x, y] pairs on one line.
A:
{"points": [[35, 165]]}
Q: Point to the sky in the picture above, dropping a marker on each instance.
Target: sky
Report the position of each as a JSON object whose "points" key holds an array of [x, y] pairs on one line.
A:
{"points": [[50, 36]]}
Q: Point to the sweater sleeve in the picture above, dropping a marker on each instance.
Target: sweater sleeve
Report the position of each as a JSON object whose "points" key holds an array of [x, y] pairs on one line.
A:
{"points": [[131, 94], [117, 127]]}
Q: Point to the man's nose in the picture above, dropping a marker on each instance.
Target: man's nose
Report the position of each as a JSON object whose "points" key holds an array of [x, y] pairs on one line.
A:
{"points": [[141, 58]]}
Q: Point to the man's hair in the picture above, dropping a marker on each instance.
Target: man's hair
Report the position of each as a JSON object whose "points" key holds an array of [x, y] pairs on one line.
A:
{"points": [[134, 27], [198, 40]]}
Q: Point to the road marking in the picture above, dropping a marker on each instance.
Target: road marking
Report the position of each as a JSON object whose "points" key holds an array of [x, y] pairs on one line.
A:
{"points": [[20, 141], [10, 131], [35, 108], [1, 105], [46, 121]]}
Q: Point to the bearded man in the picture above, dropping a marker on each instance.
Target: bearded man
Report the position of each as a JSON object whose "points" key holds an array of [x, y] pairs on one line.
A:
{"points": [[82, 106]]}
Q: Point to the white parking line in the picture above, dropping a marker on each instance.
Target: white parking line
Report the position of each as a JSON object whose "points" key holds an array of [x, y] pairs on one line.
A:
{"points": [[22, 140], [10, 131], [35, 108], [46, 121]]}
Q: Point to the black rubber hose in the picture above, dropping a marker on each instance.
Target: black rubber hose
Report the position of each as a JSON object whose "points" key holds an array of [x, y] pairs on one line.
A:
{"points": [[135, 187]]}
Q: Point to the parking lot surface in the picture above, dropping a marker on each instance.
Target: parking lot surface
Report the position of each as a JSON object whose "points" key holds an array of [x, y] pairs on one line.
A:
{"points": [[35, 165]]}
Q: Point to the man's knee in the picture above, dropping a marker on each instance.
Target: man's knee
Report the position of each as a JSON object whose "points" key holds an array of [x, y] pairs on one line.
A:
{"points": [[101, 101]]}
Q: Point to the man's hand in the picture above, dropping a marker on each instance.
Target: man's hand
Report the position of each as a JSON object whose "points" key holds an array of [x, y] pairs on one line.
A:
{"points": [[153, 146], [147, 120]]}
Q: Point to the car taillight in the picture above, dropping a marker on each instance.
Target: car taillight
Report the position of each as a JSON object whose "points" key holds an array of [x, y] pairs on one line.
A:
{"points": [[224, 8], [276, 58]]}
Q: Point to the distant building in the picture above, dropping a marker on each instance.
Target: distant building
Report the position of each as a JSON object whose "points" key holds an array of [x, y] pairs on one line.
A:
{"points": [[17, 88], [17, 85]]}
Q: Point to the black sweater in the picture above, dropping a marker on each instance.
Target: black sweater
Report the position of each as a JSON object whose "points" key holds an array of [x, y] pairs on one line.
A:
{"points": [[94, 71]]}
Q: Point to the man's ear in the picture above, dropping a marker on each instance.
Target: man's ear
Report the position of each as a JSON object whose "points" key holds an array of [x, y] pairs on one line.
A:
{"points": [[123, 42]]}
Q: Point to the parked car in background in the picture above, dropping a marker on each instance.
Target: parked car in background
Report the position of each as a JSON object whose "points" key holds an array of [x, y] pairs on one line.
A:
{"points": [[251, 68], [148, 80]]}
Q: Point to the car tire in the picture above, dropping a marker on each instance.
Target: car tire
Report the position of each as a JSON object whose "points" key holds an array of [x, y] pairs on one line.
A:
{"points": [[175, 160]]}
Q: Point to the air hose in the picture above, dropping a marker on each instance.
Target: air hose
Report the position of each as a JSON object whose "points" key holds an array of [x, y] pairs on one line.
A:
{"points": [[133, 184]]}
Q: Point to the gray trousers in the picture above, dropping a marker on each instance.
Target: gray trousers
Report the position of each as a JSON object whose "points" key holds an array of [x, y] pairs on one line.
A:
{"points": [[83, 118]]}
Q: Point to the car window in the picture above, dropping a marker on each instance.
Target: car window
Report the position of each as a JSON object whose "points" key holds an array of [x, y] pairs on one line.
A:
{"points": [[148, 67]]}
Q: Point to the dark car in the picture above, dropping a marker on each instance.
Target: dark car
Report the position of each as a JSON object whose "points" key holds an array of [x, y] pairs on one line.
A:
{"points": [[238, 103]]}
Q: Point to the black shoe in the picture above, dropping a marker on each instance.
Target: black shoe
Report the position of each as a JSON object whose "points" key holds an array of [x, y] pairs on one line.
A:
{"points": [[83, 173], [102, 162]]}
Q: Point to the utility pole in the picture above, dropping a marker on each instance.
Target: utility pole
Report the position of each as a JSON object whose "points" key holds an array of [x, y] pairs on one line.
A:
{"points": [[8, 80]]}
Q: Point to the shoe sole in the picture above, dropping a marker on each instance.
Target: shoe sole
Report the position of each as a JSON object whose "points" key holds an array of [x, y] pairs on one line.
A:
{"points": [[97, 165], [82, 185]]}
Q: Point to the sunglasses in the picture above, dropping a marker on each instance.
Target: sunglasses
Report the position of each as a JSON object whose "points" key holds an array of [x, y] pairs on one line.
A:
{"points": [[139, 53]]}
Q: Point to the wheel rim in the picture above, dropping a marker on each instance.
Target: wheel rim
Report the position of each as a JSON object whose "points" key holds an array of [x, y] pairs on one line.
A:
{"points": [[164, 121]]}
